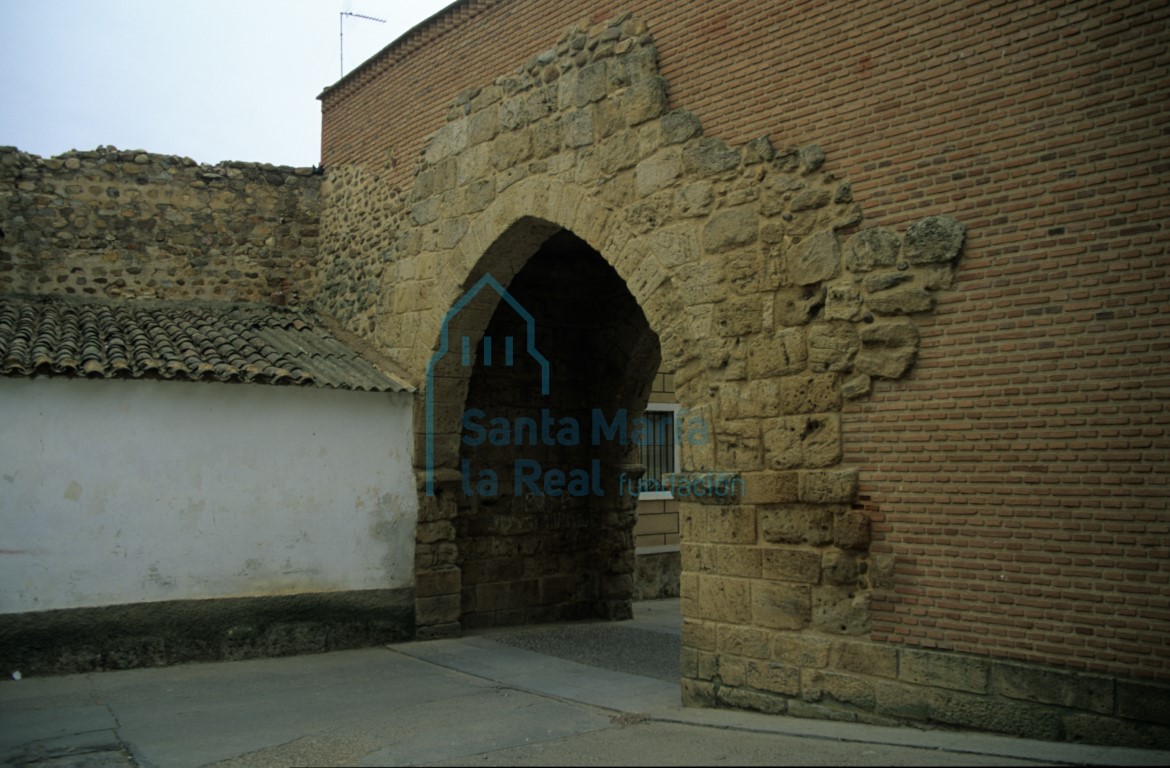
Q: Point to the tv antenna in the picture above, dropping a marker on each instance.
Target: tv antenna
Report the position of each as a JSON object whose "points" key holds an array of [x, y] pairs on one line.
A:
{"points": [[341, 35]]}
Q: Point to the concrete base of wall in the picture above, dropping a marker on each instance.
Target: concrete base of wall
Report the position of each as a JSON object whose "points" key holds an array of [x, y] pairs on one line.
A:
{"points": [[173, 632], [657, 573]]}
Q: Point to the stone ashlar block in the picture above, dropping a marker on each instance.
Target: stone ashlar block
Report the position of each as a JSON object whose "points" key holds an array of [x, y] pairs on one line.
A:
{"points": [[1146, 702], [644, 100], [724, 599], [810, 441], [848, 689], [810, 393], [446, 581], [785, 353], [770, 487], [773, 677], [791, 564], [797, 524], [832, 346], [700, 635], [678, 126], [744, 641], [828, 486], [840, 610], [987, 713], [799, 650], [780, 606], [944, 670], [439, 609], [1092, 693], [657, 171], [1098, 729], [864, 658]]}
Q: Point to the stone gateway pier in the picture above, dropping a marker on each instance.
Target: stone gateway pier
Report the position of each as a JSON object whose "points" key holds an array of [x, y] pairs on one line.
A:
{"points": [[904, 269]]}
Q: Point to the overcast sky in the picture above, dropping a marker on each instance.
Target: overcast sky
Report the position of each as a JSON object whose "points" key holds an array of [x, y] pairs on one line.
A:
{"points": [[209, 79]]}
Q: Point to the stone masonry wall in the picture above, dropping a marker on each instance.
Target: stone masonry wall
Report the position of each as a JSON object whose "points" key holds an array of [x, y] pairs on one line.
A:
{"points": [[125, 224], [1010, 481]]}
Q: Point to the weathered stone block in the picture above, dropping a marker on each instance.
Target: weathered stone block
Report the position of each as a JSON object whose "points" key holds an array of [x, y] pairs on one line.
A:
{"points": [[943, 670], [758, 150], [900, 301], [838, 567], [694, 200], [855, 386], [933, 240], [791, 564], [577, 127], [724, 599], [991, 714], [809, 393], [657, 171], [815, 259], [780, 606], [848, 689], [744, 641], [737, 560], [679, 125], [799, 650], [864, 658], [774, 677], [697, 693], [709, 157], [786, 352], [1092, 693], [797, 306], [770, 487], [803, 441], [809, 199], [811, 158], [1147, 702], [439, 609], [840, 610], [758, 701], [729, 525], [851, 529], [797, 524], [738, 316], [730, 228], [644, 100], [1096, 729], [699, 634], [828, 486], [872, 248], [901, 701], [842, 302], [446, 581], [832, 346], [884, 281]]}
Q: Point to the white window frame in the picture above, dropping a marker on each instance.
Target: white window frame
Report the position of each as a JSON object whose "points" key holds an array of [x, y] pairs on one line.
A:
{"points": [[673, 409]]}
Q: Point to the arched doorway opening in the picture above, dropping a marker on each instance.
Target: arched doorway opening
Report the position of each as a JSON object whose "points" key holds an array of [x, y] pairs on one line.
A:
{"points": [[548, 447]]}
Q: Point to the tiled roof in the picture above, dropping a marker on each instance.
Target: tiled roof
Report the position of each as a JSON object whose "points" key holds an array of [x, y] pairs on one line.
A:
{"points": [[179, 340]]}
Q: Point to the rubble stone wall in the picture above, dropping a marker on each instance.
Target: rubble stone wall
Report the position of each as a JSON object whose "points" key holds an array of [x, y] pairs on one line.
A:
{"points": [[129, 224]]}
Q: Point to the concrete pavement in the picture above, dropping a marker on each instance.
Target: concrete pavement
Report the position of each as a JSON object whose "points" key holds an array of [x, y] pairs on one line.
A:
{"points": [[581, 694]]}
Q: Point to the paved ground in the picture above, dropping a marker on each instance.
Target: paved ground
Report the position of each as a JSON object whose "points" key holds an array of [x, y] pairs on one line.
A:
{"points": [[585, 694]]}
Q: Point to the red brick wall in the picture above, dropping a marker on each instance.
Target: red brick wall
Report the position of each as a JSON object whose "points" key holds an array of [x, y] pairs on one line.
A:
{"points": [[1020, 474]]}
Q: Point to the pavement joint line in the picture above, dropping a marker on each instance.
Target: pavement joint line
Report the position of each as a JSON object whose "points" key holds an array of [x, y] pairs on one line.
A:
{"points": [[909, 739]]}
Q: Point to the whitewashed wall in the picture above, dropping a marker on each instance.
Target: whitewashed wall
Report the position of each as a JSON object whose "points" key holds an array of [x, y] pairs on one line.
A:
{"points": [[127, 491]]}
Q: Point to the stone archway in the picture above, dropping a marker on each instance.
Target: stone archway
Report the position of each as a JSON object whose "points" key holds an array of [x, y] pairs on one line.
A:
{"points": [[769, 305]]}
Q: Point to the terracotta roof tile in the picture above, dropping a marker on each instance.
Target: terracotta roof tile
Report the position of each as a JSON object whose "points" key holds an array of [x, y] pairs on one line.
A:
{"points": [[49, 335]]}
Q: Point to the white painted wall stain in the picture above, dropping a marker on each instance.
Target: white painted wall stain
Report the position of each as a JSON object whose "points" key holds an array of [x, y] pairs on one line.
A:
{"points": [[129, 491]]}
